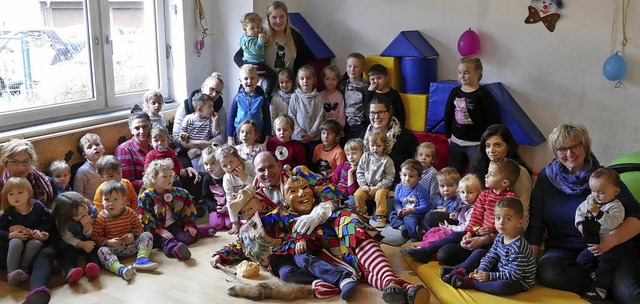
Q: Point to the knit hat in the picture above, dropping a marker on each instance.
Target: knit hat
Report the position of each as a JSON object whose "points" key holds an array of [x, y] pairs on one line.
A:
{"points": [[240, 199]]}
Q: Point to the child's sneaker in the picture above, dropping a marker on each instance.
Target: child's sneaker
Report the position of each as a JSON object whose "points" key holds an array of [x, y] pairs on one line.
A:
{"points": [[74, 275], [206, 231], [462, 281], [144, 264], [181, 252], [17, 276], [381, 221], [416, 253], [38, 296], [126, 272], [92, 271], [596, 295]]}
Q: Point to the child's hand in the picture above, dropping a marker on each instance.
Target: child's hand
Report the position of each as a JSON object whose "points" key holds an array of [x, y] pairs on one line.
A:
{"points": [[401, 213], [215, 260], [305, 138], [192, 231], [409, 210], [39, 235], [20, 234], [114, 242], [365, 188], [262, 36], [86, 222], [127, 238], [593, 207], [192, 172], [164, 233], [301, 246], [485, 231], [467, 236], [373, 190], [372, 87], [87, 246], [452, 215], [480, 275], [214, 118], [235, 227], [444, 224], [240, 172]]}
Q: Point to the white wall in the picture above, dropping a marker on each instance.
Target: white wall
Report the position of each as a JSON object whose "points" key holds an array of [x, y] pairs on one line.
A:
{"points": [[556, 77]]}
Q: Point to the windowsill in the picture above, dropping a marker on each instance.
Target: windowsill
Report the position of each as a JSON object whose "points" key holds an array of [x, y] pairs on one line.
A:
{"points": [[60, 128]]}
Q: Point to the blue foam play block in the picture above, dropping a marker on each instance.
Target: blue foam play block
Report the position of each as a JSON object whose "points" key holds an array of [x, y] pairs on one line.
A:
{"points": [[438, 95], [319, 49], [417, 73], [511, 115], [410, 44]]}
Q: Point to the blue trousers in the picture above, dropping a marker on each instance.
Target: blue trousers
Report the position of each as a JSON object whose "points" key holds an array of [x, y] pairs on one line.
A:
{"points": [[305, 268], [457, 154], [411, 221]]}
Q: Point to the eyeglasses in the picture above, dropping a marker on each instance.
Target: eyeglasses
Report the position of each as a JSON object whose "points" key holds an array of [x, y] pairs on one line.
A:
{"points": [[564, 150], [213, 91], [16, 163], [377, 114]]}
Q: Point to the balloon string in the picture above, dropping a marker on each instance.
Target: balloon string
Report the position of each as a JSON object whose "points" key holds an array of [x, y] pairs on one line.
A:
{"points": [[625, 10]]}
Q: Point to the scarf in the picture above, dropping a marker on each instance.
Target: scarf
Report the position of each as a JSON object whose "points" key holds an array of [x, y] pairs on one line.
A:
{"points": [[392, 134], [285, 96], [572, 184]]}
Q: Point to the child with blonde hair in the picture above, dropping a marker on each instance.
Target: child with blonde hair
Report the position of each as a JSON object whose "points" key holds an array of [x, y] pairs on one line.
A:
{"points": [[280, 101], [450, 231], [249, 103], [59, 176], [109, 169], [26, 224], [287, 151], [213, 195], [426, 155], [344, 177], [469, 111], [118, 232], [153, 102], [306, 107], [74, 217], [168, 212], [238, 174], [375, 175], [333, 99], [87, 179], [248, 134]]}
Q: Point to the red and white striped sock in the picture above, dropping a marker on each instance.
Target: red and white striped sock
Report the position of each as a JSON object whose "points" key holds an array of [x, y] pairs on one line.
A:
{"points": [[322, 289], [375, 266]]}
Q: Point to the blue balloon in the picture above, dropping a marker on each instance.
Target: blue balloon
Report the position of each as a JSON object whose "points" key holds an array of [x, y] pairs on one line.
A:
{"points": [[614, 67]]}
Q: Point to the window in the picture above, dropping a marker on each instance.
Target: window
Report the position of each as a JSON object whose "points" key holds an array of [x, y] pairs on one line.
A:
{"points": [[62, 59]]}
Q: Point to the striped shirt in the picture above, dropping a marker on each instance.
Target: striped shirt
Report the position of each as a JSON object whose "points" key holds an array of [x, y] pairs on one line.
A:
{"points": [[198, 128], [515, 262], [106, 227], [483, 214]]}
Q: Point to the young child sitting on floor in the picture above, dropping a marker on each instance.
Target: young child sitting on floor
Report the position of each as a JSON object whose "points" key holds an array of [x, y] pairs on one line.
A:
{"points": [[118, 232], [445, 203], [109, 169], [509, 267], [375, 175], [410, 201], [344, 177]]}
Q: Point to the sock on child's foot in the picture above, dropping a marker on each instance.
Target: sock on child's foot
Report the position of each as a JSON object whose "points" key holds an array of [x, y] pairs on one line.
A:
{"points": [[126, 272], [322, 289], [144, 264], [74, 275], [92, 271]]}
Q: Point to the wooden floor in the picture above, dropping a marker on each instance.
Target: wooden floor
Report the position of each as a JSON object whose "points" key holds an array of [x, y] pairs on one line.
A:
{"points": [[194, 281]]}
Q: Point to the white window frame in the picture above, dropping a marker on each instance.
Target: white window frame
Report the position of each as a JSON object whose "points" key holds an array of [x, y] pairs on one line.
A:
{"points": [[101, 64]]}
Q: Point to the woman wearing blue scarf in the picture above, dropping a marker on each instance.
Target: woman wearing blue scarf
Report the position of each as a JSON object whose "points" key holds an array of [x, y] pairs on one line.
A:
{"points": [[561, 186]]}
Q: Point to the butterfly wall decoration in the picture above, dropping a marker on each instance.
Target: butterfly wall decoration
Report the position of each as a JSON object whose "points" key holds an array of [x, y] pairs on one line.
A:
{"points": [[547, 11]]}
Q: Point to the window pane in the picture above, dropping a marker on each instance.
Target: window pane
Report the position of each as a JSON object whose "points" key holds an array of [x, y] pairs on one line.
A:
{"points": [[44, 54], [134, 46]]}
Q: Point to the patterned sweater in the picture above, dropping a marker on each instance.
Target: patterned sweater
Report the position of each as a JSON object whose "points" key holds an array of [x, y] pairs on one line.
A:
{"points": [[152, 208]]}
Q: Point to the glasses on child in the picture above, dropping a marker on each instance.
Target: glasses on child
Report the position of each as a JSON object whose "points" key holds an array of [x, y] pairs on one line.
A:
{"points": [[15, 163], [377, 114], [564, 150]]}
